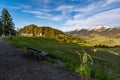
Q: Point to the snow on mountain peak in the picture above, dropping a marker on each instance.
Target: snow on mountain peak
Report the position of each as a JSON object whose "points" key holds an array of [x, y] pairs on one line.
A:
{"points": [[78, 29], [99, 27]]}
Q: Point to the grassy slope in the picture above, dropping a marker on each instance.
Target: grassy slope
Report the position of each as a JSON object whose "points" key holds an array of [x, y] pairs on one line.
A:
{"points": [[96, 40], [105, 60]]}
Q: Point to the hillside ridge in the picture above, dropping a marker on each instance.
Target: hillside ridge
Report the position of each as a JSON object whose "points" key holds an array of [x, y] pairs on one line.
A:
{"points": [[99, 30]]}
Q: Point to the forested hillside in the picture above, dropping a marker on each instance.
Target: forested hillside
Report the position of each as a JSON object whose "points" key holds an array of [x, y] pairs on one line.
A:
{"points": [[48, 32], [44, 31]]}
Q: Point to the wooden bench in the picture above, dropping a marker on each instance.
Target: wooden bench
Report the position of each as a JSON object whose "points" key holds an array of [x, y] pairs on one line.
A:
{"points": [[40, 54]]}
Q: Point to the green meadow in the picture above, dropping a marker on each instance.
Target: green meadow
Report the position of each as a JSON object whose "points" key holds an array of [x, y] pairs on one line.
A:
{"points": [[105, 61]]}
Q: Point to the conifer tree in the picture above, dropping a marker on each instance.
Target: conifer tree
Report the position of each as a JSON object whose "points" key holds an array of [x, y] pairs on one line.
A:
{"points": [[8, 25], [0, 27]]}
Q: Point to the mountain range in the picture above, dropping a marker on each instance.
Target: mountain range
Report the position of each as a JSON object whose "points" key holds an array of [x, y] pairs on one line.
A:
{"points": [[100, 30]]}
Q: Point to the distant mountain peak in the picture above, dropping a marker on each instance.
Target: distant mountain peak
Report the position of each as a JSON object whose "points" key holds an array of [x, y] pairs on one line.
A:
{"points": [[99, 28], [78, 29]]}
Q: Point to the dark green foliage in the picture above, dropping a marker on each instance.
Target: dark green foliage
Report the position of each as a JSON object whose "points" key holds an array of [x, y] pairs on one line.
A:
{"points": [[7, 23], [99, 74], [105, 46], [44, 31], [102, 46], [0, 27]]}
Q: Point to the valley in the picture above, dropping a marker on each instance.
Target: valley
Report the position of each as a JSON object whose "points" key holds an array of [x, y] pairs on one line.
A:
{"points": [[98, 35]]}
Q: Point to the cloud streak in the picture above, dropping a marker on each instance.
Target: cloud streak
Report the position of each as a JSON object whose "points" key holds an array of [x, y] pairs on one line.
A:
{"points": [[44, 15], [105, 18], [108, 2]]}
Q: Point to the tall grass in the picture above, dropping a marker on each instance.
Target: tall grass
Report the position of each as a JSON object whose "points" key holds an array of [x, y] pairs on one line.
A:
{"points": [[87, 68], [84, 69]]}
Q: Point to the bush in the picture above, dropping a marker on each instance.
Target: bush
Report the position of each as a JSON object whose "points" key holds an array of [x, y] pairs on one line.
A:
{"points": [[102, 46], [84, 70]]}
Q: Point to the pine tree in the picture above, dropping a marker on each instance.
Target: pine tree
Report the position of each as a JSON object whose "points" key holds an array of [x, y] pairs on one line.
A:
{"points": [[0, 27], [8, 25]]}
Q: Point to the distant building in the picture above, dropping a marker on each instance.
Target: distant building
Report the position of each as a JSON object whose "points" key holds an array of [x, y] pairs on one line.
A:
{"points": [[27, 35], [40, 34], [31, 35]]}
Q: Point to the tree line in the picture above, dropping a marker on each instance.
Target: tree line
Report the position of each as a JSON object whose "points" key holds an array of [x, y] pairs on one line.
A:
{"points": [[6, 24]]}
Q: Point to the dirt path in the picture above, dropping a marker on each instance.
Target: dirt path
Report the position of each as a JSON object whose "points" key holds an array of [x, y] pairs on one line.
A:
{"points": [[15, 66]]}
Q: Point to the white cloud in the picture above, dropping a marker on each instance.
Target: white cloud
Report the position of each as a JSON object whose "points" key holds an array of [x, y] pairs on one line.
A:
{"points": [[74, 8], [14, 7], [38, 13], [46, 1], [108, 2], [45, 15], [51, 17], [24, 6], [78, 16], [35, 12], [86, 9], [75, 0], [110, 17], [64, 7]]}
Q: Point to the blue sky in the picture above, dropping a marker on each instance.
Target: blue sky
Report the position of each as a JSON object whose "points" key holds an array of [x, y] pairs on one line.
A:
{"points": [[63, 14]]}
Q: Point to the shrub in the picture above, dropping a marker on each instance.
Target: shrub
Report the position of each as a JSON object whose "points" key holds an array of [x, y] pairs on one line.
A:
{"points": [[102, 46]]}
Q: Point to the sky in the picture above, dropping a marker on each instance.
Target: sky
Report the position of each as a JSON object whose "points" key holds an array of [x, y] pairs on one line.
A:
{"points": [[65, 15]]}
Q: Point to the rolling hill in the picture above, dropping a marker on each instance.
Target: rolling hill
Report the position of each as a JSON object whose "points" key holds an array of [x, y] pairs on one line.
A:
{"points": [[43, 31]]}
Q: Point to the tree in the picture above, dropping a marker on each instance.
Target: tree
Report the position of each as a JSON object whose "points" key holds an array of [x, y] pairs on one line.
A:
{"points": [[0, 27], [8, 25]]}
